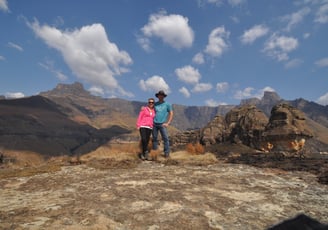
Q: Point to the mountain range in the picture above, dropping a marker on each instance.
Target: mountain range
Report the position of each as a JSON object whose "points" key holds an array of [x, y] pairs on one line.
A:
{"points": [[69, 120]]}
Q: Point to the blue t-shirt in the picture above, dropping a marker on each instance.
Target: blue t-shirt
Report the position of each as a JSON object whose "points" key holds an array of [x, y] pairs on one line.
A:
{"points": [[162, 111]]}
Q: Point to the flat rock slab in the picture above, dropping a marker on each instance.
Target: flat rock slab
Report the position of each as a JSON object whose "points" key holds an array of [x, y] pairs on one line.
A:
{"points": [[157, 196]]}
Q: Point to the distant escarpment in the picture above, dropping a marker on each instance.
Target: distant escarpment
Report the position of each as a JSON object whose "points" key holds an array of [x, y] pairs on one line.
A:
{"points": [[70, 120]]}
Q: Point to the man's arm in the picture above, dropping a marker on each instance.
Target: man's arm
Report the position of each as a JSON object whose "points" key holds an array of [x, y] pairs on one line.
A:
{"points": [[170, 118]]}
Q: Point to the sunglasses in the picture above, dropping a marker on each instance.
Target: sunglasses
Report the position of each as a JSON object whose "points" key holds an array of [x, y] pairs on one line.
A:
{"points": [[150, 102]]}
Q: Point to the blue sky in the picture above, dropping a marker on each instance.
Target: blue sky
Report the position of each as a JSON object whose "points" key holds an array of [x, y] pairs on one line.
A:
{"points": [[201, 52]]}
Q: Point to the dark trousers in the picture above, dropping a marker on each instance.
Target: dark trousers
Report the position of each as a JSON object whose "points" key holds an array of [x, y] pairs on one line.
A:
{"points": [[145, 136]]}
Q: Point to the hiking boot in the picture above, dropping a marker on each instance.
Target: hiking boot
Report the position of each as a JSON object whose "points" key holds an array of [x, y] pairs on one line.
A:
{"points": [[147, 157], [142, 156]]}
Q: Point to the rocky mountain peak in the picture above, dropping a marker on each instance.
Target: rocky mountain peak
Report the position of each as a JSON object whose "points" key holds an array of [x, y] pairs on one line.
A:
{"points": [[270, 97], [75, 89]]}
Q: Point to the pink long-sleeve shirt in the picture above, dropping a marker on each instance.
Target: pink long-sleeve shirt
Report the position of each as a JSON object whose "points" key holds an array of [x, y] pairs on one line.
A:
{"points": [[146, 117]]}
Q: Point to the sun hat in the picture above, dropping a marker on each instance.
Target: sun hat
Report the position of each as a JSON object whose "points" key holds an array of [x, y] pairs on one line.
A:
{"points": [[161, 92]]}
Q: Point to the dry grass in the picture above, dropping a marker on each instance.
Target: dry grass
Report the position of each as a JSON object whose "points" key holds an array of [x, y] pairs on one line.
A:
{"points": [[184, 157], [118, 152], [105, 157], [195, 149], [24, 163], [18, 159]]}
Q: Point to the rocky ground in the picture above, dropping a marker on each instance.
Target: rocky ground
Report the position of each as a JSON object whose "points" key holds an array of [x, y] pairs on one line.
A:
{"points": [[170, 194]]}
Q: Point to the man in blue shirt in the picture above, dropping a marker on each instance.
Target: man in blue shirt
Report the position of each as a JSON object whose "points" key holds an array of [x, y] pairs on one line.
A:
{"points": [[163, 118]]}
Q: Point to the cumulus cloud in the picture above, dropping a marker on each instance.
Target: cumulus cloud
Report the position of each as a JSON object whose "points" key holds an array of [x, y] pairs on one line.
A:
{"points": [[222, 87], [295, 18], [188, 74], [15, 46], [154, 84], [322, 62], [185, 92], [172, 29], [14, 95], [278, 47], [198, 58], [202, 87], [322, 14], [323, 100], [217, 42], [89, 54], [254, 33], [4, 5]]}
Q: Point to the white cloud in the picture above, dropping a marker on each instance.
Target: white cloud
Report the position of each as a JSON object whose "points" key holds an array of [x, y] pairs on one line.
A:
{"points": [[172, 29], [98, 91], [278, 47], [15, 46], [254, 33], [89, 54], [322, 62], [295, 18], [323, 100], [293, 63], [14, 95], [217, 43], [246, 93], [50, 67], [211, 102], [222, 87], [144, 43], [202, 87], [322, 14], [4, 5], [154, 84], [249, 93], [198, 58], [2, 58], [185, 92], [188, 74]]}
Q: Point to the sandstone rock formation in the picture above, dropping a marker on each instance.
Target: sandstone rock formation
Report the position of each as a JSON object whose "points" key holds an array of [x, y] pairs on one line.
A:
{"points": [[286, 130], [246, 125]]}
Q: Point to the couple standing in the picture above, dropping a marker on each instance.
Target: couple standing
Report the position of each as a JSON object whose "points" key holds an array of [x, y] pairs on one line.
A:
{"points": [[154, 118]]}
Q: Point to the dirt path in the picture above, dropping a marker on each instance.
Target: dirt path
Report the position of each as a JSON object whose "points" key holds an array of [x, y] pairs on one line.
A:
{"points": [[152, 196]]}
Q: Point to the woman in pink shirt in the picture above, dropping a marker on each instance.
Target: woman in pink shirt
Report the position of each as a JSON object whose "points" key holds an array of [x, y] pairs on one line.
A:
{"points": [[145, 124]]}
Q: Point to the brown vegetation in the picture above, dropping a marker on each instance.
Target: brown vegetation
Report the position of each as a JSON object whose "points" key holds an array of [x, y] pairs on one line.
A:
{"points": [[196, 148]]}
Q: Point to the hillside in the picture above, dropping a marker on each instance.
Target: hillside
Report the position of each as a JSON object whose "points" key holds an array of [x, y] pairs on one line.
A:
{"points": [[39, 125]]}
